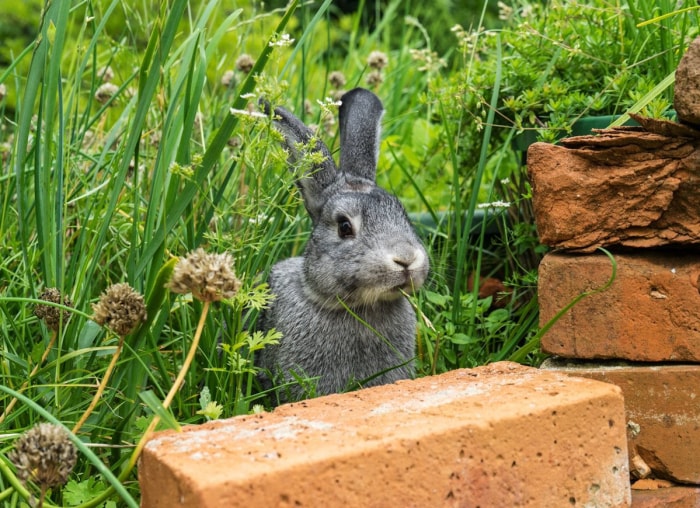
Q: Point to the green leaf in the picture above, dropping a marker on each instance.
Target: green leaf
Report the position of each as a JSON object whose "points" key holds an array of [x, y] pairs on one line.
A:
{"points": [[436, 298], [204, 397], [462, 339], [212, 411], [88, 333], [75, 493], [154, 403]]}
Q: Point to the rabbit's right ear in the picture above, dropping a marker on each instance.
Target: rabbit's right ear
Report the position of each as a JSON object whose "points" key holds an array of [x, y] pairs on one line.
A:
{"points": [[299, 140], [361, 114]]}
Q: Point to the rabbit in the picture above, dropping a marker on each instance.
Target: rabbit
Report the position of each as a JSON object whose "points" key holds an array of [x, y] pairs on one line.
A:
{"points": [[341, 306]]}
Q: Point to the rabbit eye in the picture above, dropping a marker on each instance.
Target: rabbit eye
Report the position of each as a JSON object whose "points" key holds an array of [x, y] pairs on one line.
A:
{"points": [[345, 228]]}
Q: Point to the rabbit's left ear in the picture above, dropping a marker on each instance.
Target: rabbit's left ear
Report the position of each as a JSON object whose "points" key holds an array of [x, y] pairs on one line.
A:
{"points": [[360, 117], [298, 139]]}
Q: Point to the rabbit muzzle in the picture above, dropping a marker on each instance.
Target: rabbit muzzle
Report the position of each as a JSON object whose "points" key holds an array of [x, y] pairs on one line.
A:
{"points": [[411, 265]]}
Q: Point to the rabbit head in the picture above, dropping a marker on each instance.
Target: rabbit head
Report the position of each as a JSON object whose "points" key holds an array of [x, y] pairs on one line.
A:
{"points": [[362, 249]]}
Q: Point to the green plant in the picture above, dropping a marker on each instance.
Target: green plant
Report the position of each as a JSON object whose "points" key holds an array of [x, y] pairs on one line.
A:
{"points": [[564, 60]]}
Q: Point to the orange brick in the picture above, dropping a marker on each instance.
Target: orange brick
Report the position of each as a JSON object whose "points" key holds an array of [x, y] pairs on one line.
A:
{"points": [[650, 313], [673, 497], [500, 435], [662, 404]]}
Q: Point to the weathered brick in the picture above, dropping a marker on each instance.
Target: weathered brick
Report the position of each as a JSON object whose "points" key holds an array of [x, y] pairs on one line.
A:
{"points": [[649, 313], [662, 405], [673, 497], [636, 188], [499, 435]]}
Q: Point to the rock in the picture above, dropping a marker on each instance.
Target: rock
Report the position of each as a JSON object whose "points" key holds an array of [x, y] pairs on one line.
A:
{"points": [[621, 187], [686, 99]]}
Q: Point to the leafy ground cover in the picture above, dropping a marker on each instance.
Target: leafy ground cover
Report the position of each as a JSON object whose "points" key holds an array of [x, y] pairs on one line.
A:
{"points": [[130, 138]]}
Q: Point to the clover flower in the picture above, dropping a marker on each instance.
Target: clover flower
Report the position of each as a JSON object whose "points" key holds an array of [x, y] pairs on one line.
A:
{"points": [[44, 454], [105, 92], [377, 60], [245, 63], [120, 308], [106, 73], [375, 78], [337, 79], [52, 315], [3, 91], [227, 78], [209, 277]]}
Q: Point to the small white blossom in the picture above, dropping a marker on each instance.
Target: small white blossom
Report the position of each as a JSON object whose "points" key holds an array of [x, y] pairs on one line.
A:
{"points": [[328, 105], [261, 218], [248, 96], [505, 12], [329, 102], [494, 204], [245, 112], [282, 41]]}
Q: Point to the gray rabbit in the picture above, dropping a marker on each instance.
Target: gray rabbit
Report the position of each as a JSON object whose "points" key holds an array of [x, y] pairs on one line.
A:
{"points": [[341, 307]]}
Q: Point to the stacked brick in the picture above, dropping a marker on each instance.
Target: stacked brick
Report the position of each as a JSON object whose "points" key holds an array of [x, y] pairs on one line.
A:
{"points": [[636, 317]]}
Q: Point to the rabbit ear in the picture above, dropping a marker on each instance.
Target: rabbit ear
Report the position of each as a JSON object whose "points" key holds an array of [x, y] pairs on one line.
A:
{"points": [[299, 139], [360, 127]]}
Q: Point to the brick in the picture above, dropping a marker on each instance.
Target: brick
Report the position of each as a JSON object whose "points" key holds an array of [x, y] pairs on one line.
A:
{"points": [[499, 435], [662, 406], [635, 188], [649, 314], [673, 497]]}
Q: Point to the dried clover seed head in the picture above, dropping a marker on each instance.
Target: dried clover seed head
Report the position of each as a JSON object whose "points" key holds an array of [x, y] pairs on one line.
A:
{"points": [[105, 92], [120, 308], [51, 315], [337, 79], [106, 73], [375, 78], [227, 78], [45, 455], [377, 60], [245, 63], [209, 277]]}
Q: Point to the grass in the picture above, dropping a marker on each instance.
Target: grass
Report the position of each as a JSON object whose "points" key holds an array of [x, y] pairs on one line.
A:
{"points": [[99, 192]]}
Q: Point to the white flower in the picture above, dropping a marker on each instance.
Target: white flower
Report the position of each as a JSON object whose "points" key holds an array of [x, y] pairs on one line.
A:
{"points": [[282, 41], [245, 112], [495, 204]]}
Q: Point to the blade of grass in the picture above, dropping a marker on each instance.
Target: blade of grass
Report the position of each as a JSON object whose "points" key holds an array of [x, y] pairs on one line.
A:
{"points": [[646, 99], [212, 153]]}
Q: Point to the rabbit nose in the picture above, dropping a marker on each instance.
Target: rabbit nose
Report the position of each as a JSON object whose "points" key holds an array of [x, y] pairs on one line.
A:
{"points": [[402, 262], [407, 258]]}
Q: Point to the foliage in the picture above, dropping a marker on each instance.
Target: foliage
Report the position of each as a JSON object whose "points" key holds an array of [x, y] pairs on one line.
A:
{"points": [[565, 59]]}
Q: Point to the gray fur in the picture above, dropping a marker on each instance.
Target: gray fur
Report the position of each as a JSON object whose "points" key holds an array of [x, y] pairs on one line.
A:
{"points": [[363, 273]]}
